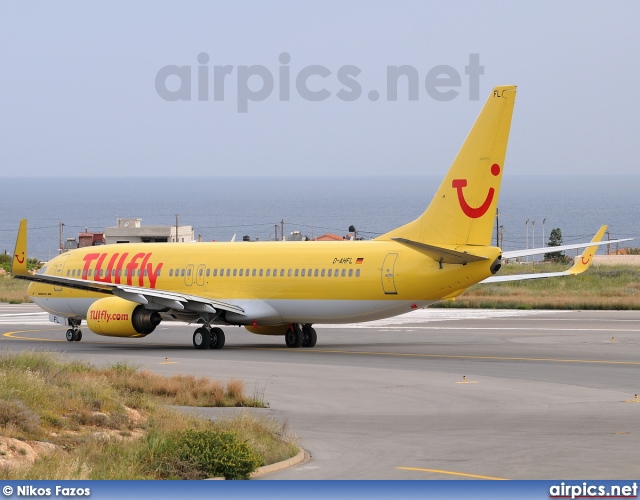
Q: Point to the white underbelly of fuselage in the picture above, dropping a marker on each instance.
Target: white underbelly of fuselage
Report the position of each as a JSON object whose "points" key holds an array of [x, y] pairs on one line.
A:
{"points": [[270, 312]]}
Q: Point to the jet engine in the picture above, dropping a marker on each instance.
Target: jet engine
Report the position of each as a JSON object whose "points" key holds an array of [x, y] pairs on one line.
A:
{"points": [[116, 317]]}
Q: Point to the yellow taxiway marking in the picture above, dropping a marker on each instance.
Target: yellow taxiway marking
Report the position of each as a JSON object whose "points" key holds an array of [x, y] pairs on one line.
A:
{"points": [[452, 356], [14, 335], [452, 473]]}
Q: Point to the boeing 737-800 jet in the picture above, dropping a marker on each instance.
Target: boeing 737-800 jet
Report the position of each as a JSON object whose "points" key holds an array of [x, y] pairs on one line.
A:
{"points": [[283, 288]]}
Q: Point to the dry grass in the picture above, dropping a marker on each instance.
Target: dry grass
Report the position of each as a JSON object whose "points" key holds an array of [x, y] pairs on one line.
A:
{"points": [[90, 423], [13, 291], [183, 390], [600, 287]]}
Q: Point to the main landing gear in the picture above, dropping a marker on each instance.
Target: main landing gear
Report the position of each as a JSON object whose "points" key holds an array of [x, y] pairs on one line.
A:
{"points": [[74, 333], [299, 335], [206, 337]]}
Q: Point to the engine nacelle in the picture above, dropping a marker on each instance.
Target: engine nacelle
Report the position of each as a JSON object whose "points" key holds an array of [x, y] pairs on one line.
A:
{"points": [[116, 317], [268, 330]]}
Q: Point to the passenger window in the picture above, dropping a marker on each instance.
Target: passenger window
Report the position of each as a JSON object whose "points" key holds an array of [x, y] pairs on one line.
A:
{"points": [[357, 273], [215, 272], [350, 273], [228, 272], [302, 273], [295, 274], [260, 272], [309, 273], [247, 273], [208, 273], [234, 273], [322, 273], [329, 273], [170, 272], [289, 273], [269, 272], [182, 272], [281, 272], [120, 272], [158, 273], [344, 273], [315, 273], [199, 272], [253, 273], [336, 273]]}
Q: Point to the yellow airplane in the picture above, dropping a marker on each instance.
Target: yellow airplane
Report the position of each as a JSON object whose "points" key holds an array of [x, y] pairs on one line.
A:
{"points": [[276, 288]]}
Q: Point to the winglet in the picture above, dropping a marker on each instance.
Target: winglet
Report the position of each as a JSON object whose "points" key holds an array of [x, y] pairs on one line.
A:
{"points": [[583, 263], [19, 265]]}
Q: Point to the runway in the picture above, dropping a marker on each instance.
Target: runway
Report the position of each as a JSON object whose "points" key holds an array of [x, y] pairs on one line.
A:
{"points": [[437, 394]]}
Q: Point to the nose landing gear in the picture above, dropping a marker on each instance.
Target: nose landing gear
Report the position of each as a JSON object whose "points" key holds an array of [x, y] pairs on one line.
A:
{"points": [[74, 333]]}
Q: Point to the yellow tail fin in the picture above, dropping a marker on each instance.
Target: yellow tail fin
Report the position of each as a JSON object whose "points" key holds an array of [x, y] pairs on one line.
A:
{"points": [[463, 209], [19, 265], [583, 263]]}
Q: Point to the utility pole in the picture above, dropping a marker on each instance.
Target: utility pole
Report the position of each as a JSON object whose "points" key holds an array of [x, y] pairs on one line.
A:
{"points": [[282, 229], [497, 228], [543, 221], [533, 238], [177, 215], [275, 228], [60, 231], [608, 245], [526, 224]]}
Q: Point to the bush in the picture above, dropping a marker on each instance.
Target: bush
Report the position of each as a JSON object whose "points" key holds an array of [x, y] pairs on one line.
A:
{"points": [[16, 413], [200, 454]]}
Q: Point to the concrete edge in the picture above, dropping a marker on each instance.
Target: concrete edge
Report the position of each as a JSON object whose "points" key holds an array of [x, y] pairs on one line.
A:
{"points": [[290, 462]]}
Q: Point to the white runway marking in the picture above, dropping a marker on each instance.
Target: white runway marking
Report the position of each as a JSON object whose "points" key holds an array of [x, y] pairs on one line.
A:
{"points": [[418, 317]]}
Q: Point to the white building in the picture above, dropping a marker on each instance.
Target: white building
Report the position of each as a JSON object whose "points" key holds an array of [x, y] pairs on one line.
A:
{"points": [[132, 231]]}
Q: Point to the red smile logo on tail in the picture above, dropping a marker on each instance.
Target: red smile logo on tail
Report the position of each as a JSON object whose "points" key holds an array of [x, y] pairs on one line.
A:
{"points": [[477, 212], [584, 263], [20, 260]]}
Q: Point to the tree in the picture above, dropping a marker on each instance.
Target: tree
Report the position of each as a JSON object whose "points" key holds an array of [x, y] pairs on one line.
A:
{"points": [[555, 240]]}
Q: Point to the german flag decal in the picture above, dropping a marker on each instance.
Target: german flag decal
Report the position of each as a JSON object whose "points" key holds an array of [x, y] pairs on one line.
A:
{"points": [[359, 260]]}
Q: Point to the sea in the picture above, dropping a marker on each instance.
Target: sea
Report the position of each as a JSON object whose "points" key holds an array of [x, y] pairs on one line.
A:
{"points": [[219, 208]]}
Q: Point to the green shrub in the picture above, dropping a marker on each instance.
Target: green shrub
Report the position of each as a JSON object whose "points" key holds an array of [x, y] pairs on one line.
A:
{"points": [[200, 454]]}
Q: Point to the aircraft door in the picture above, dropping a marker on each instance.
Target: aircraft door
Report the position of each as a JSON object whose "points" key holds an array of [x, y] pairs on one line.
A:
{"points": [[188, 275], [200, 275], [59, 269], [388, 283]]}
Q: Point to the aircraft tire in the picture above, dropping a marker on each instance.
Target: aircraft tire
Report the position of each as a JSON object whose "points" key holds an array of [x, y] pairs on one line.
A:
{"points": [[294, 336], [217, 338], [201, 338], [77, 335], [310, 337], [69, 336]]}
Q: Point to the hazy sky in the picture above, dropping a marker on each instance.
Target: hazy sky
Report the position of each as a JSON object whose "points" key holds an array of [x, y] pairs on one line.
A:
{"points": [[79, 86]]}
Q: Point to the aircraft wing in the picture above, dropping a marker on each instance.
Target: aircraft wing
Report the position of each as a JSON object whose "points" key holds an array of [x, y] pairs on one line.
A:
{"points": [[181, 302], [580, 266]]}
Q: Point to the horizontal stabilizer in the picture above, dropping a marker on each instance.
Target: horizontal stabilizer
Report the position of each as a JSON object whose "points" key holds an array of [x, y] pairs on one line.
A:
{"points": [[580, 266], [539, 251], [442, 255]]}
